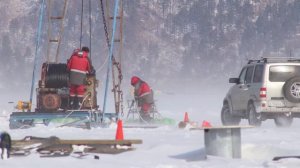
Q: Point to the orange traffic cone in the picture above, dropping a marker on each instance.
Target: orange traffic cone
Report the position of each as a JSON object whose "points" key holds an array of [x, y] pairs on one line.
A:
{"points": [[206, 124], [186, 117], [119, 133]]}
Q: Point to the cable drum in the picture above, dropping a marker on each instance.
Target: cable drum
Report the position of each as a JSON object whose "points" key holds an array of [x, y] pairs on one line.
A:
{"points": [[57, 76]]}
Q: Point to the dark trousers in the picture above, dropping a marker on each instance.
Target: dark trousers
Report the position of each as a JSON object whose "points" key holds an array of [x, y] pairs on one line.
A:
{"points": [[5, 143], [7, 147]]}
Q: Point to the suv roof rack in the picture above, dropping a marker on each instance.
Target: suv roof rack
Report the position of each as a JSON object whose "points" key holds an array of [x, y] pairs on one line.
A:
{"points": [[274, 59]]}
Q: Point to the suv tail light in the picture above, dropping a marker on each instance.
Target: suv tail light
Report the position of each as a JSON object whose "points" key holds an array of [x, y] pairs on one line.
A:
{"points": [[263, 92]]}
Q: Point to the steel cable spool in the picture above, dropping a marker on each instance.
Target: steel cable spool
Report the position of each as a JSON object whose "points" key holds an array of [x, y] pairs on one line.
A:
{"points": [[57, 76]]}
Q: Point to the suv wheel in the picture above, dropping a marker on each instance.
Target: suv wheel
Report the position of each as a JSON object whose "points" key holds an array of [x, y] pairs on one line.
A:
{"points": [[283, 121], [291, 89], [254, 118], [227, 118]]}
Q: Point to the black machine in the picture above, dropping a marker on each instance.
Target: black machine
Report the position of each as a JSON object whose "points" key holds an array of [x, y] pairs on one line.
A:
{"points": [[53, 102], [53, 90]]}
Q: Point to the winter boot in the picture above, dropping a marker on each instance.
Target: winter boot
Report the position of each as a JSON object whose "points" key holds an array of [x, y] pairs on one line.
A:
{"points": [[145, 117], [2, 153], [80, 99], [76, 103], [8, 152], [71, 102]]}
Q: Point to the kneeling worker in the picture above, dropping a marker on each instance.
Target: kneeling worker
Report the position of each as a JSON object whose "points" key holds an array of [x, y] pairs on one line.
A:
{"points": [[143, 95]]}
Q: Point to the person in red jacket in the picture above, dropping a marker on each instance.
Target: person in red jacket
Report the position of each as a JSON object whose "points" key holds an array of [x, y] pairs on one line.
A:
{"points": [[144, 96], [78, 65]]}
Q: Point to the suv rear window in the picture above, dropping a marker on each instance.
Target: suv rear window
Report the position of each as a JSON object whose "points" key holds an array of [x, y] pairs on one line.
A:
{"points": [[281, 73]]}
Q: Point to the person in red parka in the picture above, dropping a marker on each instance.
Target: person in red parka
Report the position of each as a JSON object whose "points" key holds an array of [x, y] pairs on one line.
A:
{"points": [[144, 96], [78, 65]]}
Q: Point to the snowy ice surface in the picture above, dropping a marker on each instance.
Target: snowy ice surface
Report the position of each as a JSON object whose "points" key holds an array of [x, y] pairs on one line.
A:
{"points": [[168, 146]]}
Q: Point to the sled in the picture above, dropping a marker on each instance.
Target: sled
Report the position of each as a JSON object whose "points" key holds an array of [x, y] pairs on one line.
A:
{"points": [[72, 118], [135, 120]]}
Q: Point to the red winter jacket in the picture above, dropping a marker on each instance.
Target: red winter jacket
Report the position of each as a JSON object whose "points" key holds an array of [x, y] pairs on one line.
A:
{"points": [[144, 96], [79, 62], [142, 93], [143, 90]]}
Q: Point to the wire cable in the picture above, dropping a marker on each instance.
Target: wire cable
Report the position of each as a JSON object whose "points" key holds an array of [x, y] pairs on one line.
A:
{"points": [[90, 20], [38, 38], [81, 24], [110, 54]]}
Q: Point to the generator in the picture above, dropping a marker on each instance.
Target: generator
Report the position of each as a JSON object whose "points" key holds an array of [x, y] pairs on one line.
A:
{"points": [[52, 102]]}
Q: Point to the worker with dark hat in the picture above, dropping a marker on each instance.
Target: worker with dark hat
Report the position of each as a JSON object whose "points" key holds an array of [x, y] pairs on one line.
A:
{"points": [[79, 65], [5, 145]]}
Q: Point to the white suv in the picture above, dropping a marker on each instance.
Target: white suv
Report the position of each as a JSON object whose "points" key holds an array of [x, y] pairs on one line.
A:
{"points": [[268, 88]]}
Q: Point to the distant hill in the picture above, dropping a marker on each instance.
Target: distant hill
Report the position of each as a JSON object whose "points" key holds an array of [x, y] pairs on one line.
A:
{"points": [[164, 40]]}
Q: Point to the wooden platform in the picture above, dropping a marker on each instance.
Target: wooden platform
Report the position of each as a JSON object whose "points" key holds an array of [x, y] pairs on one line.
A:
{"points": [[72, 118]]}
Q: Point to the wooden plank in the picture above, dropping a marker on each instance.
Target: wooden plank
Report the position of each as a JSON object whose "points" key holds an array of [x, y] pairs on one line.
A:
{"points": [[24, 142], [140, 126], [117, 17], [223, 127], [30, 140], [101, 142], [56, 17]]}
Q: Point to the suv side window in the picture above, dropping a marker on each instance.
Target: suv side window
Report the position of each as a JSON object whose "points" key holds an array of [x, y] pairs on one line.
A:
{"points": [[258, 73], [242, 76], [249, 74]]}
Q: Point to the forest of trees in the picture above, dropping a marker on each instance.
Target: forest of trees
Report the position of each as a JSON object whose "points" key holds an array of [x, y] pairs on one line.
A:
{"points": [[167, 40]]}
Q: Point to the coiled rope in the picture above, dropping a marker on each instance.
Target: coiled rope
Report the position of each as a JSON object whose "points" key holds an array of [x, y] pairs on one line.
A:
{"points": [[56, 76]]}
